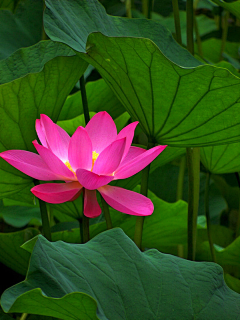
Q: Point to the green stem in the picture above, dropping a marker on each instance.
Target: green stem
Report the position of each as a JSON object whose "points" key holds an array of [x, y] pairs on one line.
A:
{"points": [[206, 205], [180, 181], [84, 223], [44, 216], [44, 36], [177, 21], [150, 6], [84, 100], [193, 161], [129, 8], [106, 214], [84, 220], [190, 23], [144, 191], [224, 35], [145, 7], [24, 316], [238, 215], [199, 42]]}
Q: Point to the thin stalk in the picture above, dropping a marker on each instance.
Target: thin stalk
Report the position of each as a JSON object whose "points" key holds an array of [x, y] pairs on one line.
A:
{"points": [[129, 8], [84, 220], [238, 215], [224, 35], [44, 215], [193, 161], [177, 21], [144, 191], [84, 224], [24, 316], [150, 7], [145, 7], [198, 38], [206, 205], [190, 23], [44, 36], [106, 214], [181, 178], [84, 100]]}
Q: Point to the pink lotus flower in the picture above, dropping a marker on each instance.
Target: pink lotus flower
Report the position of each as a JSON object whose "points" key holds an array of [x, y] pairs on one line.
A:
{"points": [[90, 159]]}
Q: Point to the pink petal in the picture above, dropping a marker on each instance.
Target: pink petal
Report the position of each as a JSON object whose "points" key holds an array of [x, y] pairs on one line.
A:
{"points": [[29, 163], [138, 163], [90, 180], [127, 201], [40, 133], [132, 153], [91, 206], [80, 150], [57, 192], [128, 133], [101, 130], [110, 158], [57, 139], [54, 163]]}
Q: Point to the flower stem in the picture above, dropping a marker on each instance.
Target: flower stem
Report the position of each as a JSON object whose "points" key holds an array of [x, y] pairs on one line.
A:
{"points": [[238, 214], [24, 316], [145, 7], [190, 23], [193, 161], [224, 35], [177, 21], [144, 191], [181, 178], [206, 205], [44, 216], [129, 8], [84, 99], [150, 7], [84, 224], [106, 214], [84, 220]]}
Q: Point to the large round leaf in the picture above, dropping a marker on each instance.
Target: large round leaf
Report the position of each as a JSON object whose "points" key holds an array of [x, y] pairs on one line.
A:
{"points": [[64, 280], [31, 59], [175, 106], [221, 159], [72, 21], [24, 99]]}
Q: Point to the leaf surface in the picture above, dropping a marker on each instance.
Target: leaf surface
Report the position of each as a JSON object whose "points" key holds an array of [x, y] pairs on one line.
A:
{"points": [[221, 159], [164, 97], [64, 280], [72, 21]]}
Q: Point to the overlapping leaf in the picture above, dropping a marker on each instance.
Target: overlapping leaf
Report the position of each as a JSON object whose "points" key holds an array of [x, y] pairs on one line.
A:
{"points": [[11, 254], [31, 59], [232, 6], [72, 21], [221, 159], [24, 99], [22, 28], [176, 106], [100, 98], [110, 273]]}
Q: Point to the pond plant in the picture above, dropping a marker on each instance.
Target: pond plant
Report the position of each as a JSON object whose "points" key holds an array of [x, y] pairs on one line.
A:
{"points": [[120, 159]]}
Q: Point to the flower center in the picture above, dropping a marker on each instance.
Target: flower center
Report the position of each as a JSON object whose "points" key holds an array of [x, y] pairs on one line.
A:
{"points": [[69, 166], [94, 158]]}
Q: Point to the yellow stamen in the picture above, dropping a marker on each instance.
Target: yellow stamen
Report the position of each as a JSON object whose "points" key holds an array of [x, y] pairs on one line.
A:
{"points": [[94, 157], [69, 166]]}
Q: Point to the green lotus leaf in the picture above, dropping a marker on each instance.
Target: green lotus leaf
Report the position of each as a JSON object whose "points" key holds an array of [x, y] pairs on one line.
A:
{"points": [[110, 278]]}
